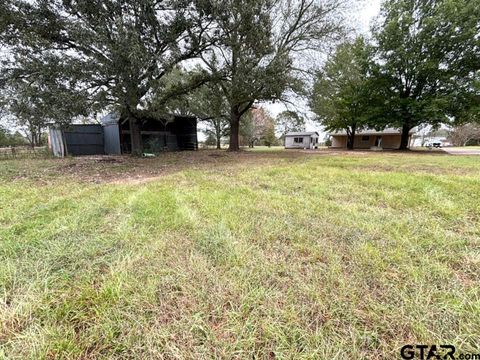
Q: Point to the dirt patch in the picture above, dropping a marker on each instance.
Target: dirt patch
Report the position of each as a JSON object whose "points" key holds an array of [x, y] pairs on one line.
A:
{"points": [[128, 169], [133, 170], [146, 170]]}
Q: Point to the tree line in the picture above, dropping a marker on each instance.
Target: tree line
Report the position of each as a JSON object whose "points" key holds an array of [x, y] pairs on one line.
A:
{"points": [[217, 60], [258, 127], [421, 67], [76, 58]]}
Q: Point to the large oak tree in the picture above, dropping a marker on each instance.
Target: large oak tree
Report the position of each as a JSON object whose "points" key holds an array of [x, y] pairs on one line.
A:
{"points": [[114, 53], [428, 55], [255, 57], [341, 95]]}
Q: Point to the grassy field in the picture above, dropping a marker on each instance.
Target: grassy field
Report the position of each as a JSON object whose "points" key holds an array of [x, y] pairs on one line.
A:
{"points": [[466, 147], [275, 254]]}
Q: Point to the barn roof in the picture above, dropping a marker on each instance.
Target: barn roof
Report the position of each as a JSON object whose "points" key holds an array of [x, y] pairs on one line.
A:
{"points": [[114, 118]]}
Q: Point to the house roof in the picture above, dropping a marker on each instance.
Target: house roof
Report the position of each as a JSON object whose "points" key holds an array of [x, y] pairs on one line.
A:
{"points": [[386, 131], [301, 133]]}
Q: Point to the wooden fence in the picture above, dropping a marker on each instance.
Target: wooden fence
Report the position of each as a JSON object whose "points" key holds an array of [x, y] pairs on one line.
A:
{"points": [[24, 152]]}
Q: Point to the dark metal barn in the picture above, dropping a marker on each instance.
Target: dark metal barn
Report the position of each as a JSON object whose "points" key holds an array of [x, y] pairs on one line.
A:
{"points": [[112, 137], [177, 133]]}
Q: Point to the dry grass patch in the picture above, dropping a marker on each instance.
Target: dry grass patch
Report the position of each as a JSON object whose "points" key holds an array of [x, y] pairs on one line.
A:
{"points": [[260, 254]]}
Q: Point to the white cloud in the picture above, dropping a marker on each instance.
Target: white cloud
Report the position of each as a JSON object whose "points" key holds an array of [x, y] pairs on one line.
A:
{"points": [[367, 13]]}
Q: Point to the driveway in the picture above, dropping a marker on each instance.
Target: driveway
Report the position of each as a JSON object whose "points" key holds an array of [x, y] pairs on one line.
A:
{"points": [[462, 151]]}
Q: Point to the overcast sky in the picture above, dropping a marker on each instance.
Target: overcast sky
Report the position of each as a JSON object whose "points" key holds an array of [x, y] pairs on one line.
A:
{"points": [[370, 10]]}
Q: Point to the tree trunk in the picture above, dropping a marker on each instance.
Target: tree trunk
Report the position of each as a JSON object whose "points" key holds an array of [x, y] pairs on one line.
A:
{"points": [[218, 133], [405, 137], [234, 130], [39, 138], [218, 138], [351, 138], [32, 139], [135, 136]]}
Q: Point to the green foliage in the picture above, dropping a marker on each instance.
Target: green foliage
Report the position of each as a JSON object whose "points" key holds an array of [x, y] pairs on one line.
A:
{"points": [[211, 107], [86, 56], [246, 59], [288, 121], [33, 104], [206, 102], [94, 55], [257, 126], [254, 57], [8, 139], [269, 138], [429, 57], [341, 97]]}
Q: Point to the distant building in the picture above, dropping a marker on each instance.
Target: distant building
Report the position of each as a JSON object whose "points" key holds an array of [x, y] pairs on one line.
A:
{"points": [[301, 140], [388, 138]]}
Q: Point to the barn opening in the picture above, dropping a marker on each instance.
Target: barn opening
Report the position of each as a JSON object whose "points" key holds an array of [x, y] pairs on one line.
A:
{"points": [[176, 133], [112, 136]]}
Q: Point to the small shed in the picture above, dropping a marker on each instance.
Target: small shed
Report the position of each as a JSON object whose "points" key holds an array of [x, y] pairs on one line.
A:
{"points": [[112, 136], [301, 140]]}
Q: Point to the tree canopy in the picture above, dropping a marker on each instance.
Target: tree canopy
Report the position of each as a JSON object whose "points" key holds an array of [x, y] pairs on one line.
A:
{"points": [[340, 97], [109, 53], [254, 57], [217, 60], [288, 121], [428, 56], [258, 126], [422, 67], [462, 135], [210, 106]]}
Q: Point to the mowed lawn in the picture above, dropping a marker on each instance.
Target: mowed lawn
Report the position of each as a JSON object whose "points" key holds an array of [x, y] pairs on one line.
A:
{"points": [[267, 255]]}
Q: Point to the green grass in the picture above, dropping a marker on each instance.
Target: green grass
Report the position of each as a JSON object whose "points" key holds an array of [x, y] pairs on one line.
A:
{"points": [[265, 254]]}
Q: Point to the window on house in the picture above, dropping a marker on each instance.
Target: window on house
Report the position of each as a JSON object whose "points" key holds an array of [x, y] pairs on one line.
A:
{"points": [[365, 138], [298, 140]]}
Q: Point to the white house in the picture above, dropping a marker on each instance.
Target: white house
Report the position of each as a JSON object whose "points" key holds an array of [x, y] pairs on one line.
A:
{"points": [[301, 140]]}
